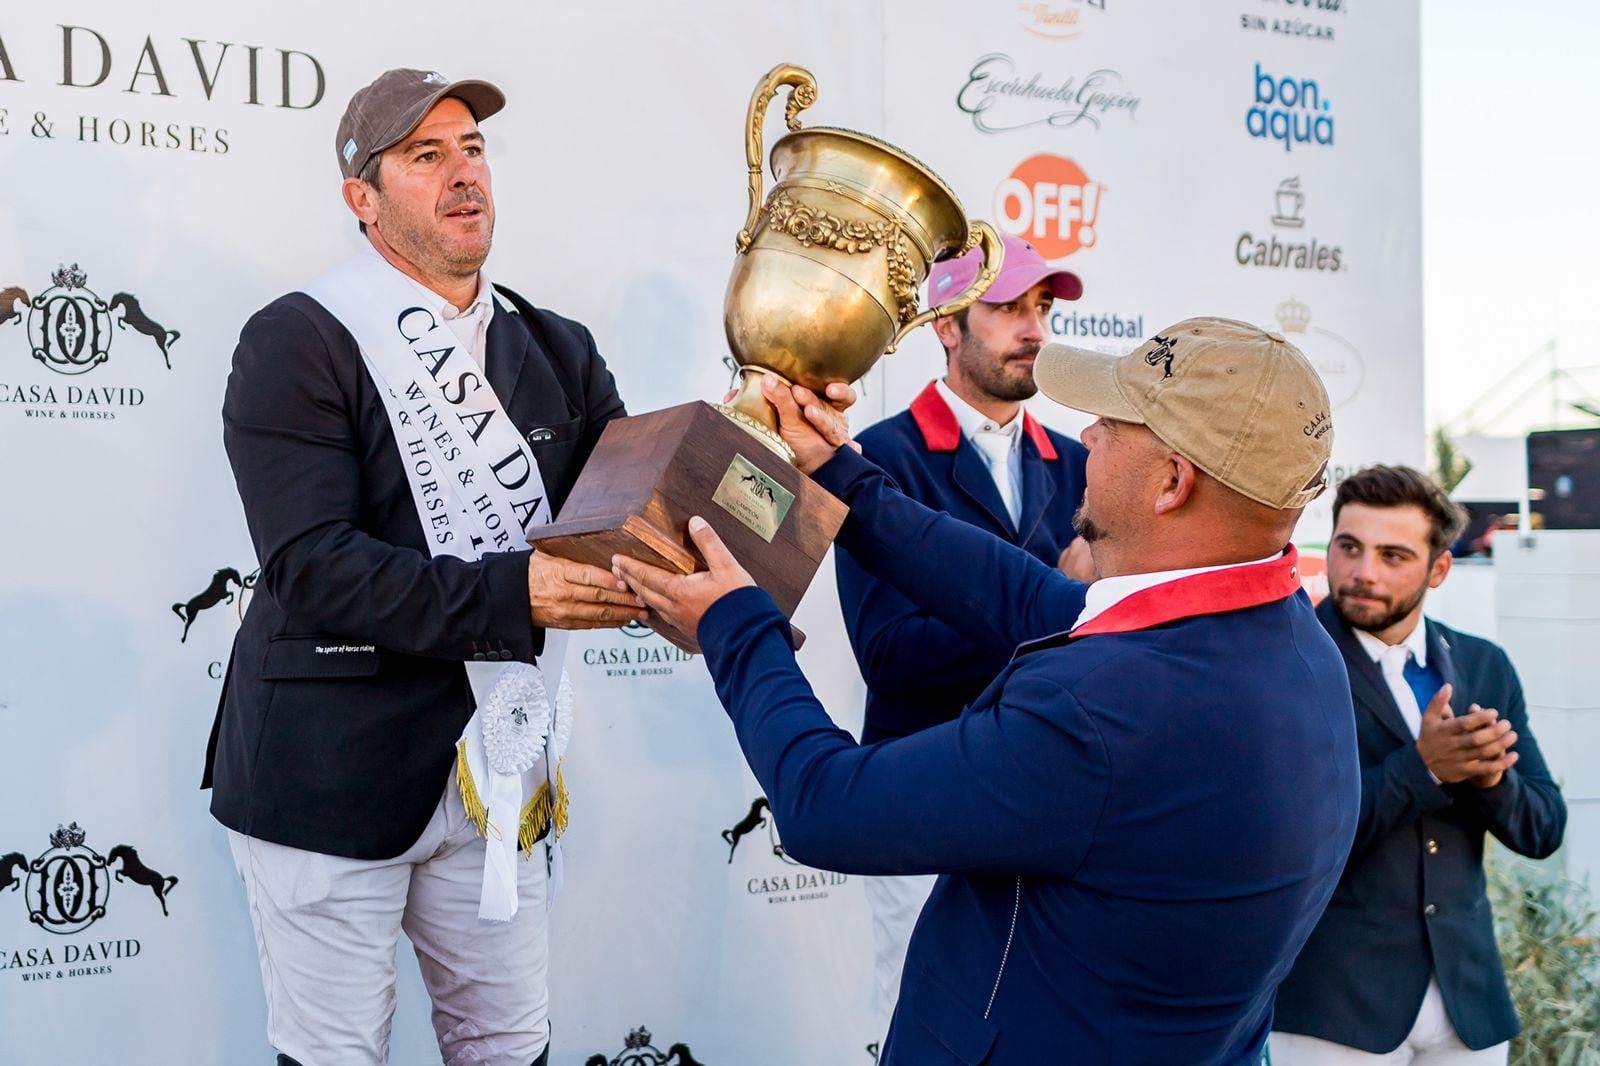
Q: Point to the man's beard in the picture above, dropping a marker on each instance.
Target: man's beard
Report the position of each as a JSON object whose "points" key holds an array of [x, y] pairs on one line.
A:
{"points": [[1085, 525], [980, 367], [411, 238], [1375, 619]]}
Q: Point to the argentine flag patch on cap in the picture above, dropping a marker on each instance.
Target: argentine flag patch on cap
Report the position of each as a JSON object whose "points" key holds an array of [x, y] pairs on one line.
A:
{"points": [[349, 149]]}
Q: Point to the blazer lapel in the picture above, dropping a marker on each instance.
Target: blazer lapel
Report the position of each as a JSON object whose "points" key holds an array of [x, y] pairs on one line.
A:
{"points": [[1038, 490], [1440, 658], [1367, 686], [507, 352], [971, 475]]}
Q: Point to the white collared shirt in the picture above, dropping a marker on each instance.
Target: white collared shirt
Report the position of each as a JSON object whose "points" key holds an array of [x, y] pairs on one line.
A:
{"points": [[1110, 591], [1000, 446], [1416, 646], [1416, 642], [471, 327]]}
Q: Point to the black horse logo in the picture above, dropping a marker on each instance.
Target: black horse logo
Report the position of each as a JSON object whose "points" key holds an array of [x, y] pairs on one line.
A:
{"points": [[215, 593], [1162, 354], [9, 299], [759, 488], [140, 874], [750, 821], [133, 315], [9, 865], [678, 1055]]}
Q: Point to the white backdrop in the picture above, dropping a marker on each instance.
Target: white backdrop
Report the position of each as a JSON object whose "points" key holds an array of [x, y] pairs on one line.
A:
{"points": [[195, 178]]}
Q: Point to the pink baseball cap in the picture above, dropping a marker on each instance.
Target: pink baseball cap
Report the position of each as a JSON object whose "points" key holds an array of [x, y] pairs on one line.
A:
{"points": [[1022, 270]]}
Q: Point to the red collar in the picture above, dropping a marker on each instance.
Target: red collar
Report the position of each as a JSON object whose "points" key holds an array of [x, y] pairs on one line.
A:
{"points": [[1213, 592], [941, 432]]}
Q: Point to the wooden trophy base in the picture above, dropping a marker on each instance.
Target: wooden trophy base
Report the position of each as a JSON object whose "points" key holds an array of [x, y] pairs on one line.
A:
{"points": [[651, 473]]}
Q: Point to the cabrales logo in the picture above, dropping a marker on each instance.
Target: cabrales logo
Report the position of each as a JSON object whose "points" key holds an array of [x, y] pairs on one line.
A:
{"points": [[1288, 247], [1001, 98], [66, 889], [1298, 20], [1058, 22], [769, 872], [1050, 202], [1289, 110]]}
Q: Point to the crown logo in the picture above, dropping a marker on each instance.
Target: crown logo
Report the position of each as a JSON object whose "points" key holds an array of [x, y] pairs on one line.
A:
{"points": [[67, 836], [1294, 316], [70, 277], [637, 1038]]}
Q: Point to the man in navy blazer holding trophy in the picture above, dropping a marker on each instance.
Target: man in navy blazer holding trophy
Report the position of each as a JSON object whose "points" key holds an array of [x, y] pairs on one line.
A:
{"points": [[1138, 823]]}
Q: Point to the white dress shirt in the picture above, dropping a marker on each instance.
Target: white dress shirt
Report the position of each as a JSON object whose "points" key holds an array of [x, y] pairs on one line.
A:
{"points": [[1000, 446], [1391, 659]]}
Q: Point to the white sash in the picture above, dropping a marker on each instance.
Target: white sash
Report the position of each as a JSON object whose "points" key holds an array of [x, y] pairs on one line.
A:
{"points": [[477, 489]]}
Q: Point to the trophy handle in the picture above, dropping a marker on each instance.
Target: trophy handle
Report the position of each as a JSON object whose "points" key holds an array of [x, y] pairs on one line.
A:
{"points": [[994, 254], [802, 94]]}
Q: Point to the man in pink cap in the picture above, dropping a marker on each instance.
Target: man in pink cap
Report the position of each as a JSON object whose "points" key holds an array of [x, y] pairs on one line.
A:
{"points": [[965, 447]]}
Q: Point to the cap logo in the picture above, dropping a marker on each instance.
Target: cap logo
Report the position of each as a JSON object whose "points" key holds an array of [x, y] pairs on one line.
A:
{"points": [[349, 150], [1162, 354], [944, 282], [1318, 426], [436, 78]]}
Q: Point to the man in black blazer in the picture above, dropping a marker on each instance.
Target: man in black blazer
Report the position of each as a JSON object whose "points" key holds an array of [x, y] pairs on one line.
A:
{"points": [[333, 760], [1403, 966]]}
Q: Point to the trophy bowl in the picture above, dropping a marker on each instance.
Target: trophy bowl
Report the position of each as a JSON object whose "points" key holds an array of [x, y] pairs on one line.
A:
{"points": [[825, 284], [829, 267]]}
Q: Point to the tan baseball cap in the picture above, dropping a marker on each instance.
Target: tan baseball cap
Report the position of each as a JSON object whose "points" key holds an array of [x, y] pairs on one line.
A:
{"points": [[381, 114], [1242, 404]]}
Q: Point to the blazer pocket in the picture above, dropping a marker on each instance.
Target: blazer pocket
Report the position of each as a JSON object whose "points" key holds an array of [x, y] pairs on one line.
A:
{"points": [[301, 657], [554, 433], [964, 1033]]}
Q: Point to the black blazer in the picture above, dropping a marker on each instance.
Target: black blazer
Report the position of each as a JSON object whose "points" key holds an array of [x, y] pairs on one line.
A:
{"points": [[345, 693], [1411, 901]]}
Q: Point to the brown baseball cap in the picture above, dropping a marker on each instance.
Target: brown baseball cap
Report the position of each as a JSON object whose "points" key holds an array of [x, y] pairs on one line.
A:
{"points": [[1242, 404], [381, 114]]}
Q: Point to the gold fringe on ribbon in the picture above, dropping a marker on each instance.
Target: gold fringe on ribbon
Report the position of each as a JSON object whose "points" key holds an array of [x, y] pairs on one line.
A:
{"points": [[536, 813]]}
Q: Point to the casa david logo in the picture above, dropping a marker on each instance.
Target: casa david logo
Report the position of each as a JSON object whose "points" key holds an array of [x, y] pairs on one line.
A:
{"points": [[1287, 246], [1057, 22], [1336, 360], [638, 1050], [1289, 110], [222, 589], [1001, 97], [1050, 202], [642, 654], [70, 327], [769, 871], [66, 889]]}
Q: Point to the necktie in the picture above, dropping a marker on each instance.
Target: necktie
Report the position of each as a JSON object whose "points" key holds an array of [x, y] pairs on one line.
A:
{"points": [[1395, 660], [996, 448]]}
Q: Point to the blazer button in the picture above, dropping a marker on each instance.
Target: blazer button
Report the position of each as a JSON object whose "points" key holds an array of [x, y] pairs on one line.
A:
{"points": [[1430, 910], [1433, 847]]}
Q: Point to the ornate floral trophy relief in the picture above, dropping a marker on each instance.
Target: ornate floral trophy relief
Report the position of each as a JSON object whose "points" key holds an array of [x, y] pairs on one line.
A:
{"points": [[824, 284]]}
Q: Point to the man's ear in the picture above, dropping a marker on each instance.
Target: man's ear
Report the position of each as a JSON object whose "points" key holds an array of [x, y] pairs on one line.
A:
{"points": [[1181, 476], [362, 199], [948, 330], [1440, 569]]}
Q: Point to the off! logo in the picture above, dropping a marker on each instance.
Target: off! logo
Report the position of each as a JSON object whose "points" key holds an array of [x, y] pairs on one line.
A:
{"points": [[1050, 202]]}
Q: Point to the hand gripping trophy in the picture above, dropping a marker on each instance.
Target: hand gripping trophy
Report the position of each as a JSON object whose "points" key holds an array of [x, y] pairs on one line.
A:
{"points": [[825, 283]]}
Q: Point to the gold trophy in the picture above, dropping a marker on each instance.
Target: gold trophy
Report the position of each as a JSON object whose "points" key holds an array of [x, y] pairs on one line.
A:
{"points": [[825, 283]]}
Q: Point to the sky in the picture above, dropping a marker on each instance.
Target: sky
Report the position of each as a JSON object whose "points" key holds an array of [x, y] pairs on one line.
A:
{"points": [[1510, 180]]}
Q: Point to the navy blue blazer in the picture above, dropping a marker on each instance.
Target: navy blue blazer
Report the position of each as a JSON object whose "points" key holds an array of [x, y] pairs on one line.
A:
{"points": [[345, 693], [919, 671], [1412, 900], [1136, 830]]}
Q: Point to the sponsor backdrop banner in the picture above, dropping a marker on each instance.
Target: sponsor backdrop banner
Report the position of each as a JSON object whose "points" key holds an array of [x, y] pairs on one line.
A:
{"points": [[169, 169]]}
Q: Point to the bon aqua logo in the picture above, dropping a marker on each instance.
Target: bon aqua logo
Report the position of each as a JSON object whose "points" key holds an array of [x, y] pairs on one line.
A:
{"points": [[1289, 110]]}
